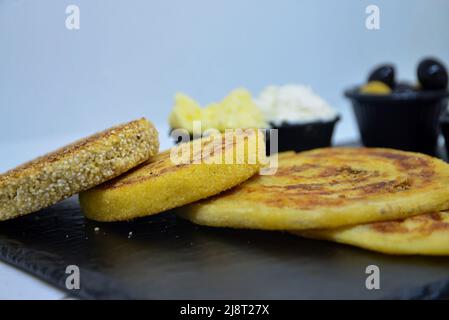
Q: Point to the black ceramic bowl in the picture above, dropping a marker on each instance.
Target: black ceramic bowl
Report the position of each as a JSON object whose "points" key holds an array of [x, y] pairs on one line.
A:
{"points": [[406, 120], [297, 137], [444, 126], [302, 137]]}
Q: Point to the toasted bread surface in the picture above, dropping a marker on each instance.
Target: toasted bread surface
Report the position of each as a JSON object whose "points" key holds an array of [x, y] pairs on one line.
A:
{"points": [[164, 183], [328, 188], [76, 167], [426, 234]]}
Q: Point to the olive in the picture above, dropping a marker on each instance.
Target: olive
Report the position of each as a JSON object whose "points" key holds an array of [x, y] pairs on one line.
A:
{"points": [[432, 74], [402, 87], [384, 73]]}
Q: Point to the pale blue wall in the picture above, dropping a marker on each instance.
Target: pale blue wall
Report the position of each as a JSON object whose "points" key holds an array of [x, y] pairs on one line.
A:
{"points": [[130, 57]]}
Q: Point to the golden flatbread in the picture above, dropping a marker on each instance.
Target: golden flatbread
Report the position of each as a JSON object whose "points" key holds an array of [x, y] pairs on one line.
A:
{"points": [[426, 234], [210, 165], [76, 167], [328, 188]]}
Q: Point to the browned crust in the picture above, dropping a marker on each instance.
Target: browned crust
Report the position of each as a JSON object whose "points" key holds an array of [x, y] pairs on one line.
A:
{"points": [[69, 150], [76, 167], [335, 177], [422, 224], [161, 164]]}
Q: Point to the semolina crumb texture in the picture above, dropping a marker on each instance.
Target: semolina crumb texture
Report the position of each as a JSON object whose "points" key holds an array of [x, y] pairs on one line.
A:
{"points": [[76, 167], [162, 184]]}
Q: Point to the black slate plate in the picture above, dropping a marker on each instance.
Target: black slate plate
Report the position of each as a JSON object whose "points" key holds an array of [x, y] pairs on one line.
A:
{"points": [[167, 257]]}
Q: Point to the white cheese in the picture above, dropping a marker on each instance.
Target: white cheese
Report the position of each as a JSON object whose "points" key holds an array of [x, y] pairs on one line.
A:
{"points": [[294, 104]]}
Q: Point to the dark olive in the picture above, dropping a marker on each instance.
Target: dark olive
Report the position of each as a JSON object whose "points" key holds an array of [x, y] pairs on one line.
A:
{"points": [[432, 75], [384, 73], [402, 87]]}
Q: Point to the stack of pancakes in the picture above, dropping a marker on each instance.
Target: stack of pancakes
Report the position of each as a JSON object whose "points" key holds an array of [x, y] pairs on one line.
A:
{"points": [[380, 199]]}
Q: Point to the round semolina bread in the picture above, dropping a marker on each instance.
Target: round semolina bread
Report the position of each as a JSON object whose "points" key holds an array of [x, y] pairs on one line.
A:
{"points": [[425, 234], [161, 183], [76, 167]]}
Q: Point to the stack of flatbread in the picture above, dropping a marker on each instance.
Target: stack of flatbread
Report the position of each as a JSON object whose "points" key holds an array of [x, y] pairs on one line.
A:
{"points": [[380, 199], [146, 182]]}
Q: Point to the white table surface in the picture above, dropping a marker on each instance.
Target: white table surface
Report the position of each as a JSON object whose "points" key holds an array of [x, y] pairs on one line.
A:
{"points": [[16, 284]]}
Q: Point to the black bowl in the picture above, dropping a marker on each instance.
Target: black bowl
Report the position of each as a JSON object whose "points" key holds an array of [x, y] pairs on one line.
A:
{"points": [[297, 137], [444, 126], [304, 136], [405, 120]]}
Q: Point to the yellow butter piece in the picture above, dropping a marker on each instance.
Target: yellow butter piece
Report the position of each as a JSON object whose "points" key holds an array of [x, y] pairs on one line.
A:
{"points": [[237, 110], [185, 111]]}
